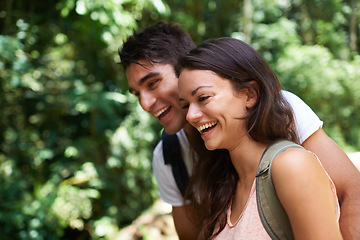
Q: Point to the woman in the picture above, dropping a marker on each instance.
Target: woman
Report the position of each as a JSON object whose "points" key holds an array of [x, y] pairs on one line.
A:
{"points": [[234, 100]]}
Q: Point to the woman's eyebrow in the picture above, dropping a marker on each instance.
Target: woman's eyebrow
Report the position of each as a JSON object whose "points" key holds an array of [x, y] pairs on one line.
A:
{"points": [[198, 88], [195, 91]]}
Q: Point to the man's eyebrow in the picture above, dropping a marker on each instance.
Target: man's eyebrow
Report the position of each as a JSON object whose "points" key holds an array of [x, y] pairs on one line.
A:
{"points": [[198, 88], [147, 76]]}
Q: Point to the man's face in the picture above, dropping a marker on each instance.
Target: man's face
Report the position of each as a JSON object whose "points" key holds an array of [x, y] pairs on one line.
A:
{"points": [[156, 87]]}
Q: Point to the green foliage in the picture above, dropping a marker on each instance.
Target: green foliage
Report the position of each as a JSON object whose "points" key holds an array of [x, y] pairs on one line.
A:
{"points": [[330, 86], [272, 38], [67, 170]]}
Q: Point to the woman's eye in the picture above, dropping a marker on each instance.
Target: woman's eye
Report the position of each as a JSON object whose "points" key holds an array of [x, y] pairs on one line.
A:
{"points": [[186, 106], [203, 98]]}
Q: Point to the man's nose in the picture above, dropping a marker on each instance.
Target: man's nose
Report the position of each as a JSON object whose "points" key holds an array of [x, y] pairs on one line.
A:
{"points": [[147, 100]]}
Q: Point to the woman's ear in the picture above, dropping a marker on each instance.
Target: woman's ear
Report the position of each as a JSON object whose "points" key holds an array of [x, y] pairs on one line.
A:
{"points": [[252, 95]]}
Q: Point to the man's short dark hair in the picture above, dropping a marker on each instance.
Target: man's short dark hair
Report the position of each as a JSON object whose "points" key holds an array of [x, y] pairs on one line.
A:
{"points": [[163, 42]]}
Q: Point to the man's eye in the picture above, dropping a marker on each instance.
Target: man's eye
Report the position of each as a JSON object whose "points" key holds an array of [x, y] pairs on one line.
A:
{"points": [[203, 98], [152, 83], [136, 94]]}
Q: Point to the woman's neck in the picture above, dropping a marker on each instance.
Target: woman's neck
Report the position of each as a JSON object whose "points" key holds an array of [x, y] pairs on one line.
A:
{"points": [[245, 158]]}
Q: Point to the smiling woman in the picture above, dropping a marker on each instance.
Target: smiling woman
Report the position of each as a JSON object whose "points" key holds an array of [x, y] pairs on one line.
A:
{"points": [[234, 100], [209, 95]]}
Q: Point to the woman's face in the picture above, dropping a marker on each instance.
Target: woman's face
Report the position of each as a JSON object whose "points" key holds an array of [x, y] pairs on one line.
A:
{"points": [[213, 108]]}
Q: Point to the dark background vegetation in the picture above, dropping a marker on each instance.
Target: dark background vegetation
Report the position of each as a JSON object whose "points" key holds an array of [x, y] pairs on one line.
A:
{"points": [[75, 147]]}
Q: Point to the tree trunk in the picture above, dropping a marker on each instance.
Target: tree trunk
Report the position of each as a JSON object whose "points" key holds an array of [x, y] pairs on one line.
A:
{"points": [[305, 25], [248, 20], [352, 27]]}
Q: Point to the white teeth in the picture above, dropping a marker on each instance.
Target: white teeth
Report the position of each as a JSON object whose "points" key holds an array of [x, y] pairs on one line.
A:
{"points": [[161, 111], [206, 125]]}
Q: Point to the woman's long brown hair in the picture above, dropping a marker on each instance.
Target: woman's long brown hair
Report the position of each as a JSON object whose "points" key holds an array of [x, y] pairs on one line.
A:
{"points": [[213, 182]]}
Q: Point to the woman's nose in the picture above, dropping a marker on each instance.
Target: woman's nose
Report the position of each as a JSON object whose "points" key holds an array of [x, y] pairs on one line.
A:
{"points": [[194, 114]]}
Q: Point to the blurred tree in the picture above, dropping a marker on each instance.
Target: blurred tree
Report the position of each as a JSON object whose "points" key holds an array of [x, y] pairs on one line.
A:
{"points": [[353, 29], [329, 85], [64, 173]]}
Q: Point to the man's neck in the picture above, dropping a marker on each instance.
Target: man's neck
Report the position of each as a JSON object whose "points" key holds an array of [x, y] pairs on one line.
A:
{"points": [[188, 129]]}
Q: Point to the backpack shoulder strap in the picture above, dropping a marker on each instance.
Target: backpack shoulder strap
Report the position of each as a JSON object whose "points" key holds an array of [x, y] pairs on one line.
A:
{"points": [[272, 214], [172, 156]]}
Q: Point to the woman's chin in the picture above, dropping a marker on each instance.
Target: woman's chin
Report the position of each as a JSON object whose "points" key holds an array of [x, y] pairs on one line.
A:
{"points": [[209, 146]]}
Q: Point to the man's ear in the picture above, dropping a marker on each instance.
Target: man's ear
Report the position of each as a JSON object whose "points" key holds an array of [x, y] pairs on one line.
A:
{"points": [[252, 94]]}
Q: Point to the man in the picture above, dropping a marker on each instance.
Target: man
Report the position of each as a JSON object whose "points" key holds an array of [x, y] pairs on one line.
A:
{"points": [[149, 58]]}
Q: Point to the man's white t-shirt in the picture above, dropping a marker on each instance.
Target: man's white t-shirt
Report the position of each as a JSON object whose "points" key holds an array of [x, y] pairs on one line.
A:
{"points": [[306, 121]]}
